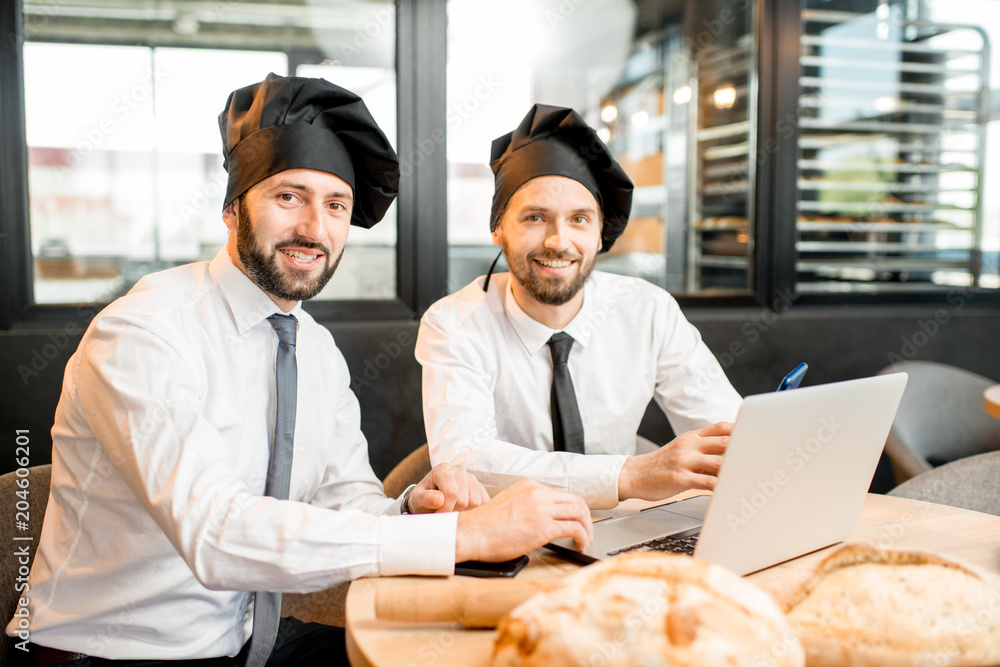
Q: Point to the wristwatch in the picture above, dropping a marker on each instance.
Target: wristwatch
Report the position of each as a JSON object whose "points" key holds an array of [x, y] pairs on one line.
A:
{"points": [[404, 502]]}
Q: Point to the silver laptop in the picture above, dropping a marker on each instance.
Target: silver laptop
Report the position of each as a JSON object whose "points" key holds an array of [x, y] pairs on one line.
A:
{"points": [[796, 472]]}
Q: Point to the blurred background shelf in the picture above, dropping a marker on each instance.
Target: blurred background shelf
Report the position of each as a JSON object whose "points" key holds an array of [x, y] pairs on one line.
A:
{"points": [[889, 137], [890, 152]]}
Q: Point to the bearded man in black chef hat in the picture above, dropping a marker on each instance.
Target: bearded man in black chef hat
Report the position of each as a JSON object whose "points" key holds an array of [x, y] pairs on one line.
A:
{"points": [[207, 453], [546, 371]]}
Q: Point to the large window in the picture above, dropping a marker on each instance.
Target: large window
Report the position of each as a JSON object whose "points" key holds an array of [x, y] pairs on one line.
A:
{"points": [[125, 167]]}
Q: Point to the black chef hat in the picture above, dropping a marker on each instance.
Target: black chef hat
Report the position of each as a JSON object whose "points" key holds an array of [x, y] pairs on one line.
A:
{"points": [[290, 122], [556, 141]]}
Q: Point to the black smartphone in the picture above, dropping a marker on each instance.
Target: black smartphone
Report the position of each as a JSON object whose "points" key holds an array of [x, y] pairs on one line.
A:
{"points": [[507, 568]]}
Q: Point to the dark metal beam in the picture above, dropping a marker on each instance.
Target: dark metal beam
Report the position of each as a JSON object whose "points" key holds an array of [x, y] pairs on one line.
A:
{"points": [[15, 243], [777, 150], [422, 244]]}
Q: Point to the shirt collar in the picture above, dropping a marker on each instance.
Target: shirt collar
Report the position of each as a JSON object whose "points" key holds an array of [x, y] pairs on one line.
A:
{"points": [[534, 335], [248, 304]]}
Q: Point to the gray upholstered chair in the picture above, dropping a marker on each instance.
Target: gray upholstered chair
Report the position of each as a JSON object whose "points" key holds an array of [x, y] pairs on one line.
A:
{"points": [[972, 483], [940, 419], [37, 497]]}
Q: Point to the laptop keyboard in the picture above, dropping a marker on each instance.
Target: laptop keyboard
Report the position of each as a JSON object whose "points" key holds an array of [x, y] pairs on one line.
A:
{"points": [[669, 544]]}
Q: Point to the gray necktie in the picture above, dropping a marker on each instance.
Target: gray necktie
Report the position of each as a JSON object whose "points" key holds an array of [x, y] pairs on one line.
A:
{"points": [[567, 427], [267, 605]]}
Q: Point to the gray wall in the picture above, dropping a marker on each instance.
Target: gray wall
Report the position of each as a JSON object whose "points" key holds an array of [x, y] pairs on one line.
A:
{"points": [[756, 347]]}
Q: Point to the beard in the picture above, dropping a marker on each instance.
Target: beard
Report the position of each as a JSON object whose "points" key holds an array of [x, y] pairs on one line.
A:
{"points": [[549, 290], [261, 264]]}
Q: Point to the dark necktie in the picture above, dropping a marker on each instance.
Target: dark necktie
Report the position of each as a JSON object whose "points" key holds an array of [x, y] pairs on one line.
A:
{"points": [[567, 427], [267, 605]]}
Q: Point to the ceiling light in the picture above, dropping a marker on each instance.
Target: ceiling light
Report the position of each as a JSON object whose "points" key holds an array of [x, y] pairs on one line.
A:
{"points": [[186, 24], [724, 97], [886, 103]]}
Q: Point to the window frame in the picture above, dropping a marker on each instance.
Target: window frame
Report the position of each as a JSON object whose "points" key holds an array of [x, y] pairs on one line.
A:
{"points": [[15, 244]]}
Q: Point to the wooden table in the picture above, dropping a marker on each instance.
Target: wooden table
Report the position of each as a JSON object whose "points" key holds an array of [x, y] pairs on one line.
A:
{"points": [[991, 400], [886, 522]]}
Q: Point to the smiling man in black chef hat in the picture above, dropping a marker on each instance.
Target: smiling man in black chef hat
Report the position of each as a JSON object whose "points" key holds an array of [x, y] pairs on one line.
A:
{"points": [[546, 371], [207, 453], [303, 124]]}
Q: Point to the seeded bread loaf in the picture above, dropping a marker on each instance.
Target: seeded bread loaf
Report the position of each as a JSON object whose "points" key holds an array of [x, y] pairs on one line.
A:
{"points": [[868, 607]]}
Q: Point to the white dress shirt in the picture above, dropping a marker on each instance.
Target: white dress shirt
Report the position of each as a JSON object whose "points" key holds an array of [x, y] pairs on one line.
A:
{"points": [[487, 379], [157, 524]]}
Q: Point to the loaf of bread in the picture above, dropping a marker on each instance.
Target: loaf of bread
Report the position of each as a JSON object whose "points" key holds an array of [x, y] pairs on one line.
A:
{"points": [[648, 609], [868, 607]]}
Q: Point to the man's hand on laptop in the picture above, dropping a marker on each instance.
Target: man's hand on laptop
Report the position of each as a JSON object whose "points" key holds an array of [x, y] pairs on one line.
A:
{"points": [[689, 461], [447, 488], [520, 519]]}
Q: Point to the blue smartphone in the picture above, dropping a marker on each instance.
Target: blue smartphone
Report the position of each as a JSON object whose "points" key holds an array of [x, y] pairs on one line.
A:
{"points": [[792, 380]]}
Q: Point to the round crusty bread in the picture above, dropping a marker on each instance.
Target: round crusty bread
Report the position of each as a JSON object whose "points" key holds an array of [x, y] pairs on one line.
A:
{"points": [[867, 607], [648, 609]]}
